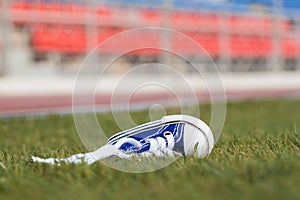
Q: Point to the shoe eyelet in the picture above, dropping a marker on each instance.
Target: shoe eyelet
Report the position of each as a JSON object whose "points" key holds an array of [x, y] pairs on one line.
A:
{"points": [[167, 133]]}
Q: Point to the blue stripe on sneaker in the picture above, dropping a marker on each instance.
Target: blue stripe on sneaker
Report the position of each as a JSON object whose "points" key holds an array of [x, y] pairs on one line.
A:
{"points": [[126, 133]]}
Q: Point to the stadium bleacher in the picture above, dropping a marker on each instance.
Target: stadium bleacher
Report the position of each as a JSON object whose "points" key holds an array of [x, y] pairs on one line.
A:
{"points": [[62, 29]]}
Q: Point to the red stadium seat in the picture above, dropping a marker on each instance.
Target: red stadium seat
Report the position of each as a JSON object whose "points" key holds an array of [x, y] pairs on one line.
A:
{"points": [[42, 40], [19, 5], [206, 22], [18, 11], [204, 28], [290, 47], [78, 12], [200, 21], [104, 15], [205, 43], [264, 25], [250, 46], [151, 17]]}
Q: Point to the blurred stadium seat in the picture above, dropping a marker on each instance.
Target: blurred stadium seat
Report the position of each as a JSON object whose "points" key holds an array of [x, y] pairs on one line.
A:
{"points": [[61, 26]]}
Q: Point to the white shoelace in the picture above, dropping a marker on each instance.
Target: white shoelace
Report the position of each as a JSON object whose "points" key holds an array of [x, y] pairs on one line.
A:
{"points": [[158, 147]]}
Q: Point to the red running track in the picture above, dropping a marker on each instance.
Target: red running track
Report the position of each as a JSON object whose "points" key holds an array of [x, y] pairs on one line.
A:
{"points": [[28, 105]]}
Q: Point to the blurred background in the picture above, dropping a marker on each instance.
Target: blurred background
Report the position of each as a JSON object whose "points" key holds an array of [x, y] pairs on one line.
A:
{"points": [[254, 43]]}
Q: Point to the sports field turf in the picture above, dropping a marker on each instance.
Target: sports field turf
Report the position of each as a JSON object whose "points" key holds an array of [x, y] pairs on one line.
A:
{"points": [[257, 157]]}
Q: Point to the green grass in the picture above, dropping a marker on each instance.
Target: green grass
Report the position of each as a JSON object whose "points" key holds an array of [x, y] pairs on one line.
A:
{"points": [[258, 156]]}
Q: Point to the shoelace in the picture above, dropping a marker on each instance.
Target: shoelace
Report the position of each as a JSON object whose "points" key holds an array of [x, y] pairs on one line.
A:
{"points": [[123, 148]]}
